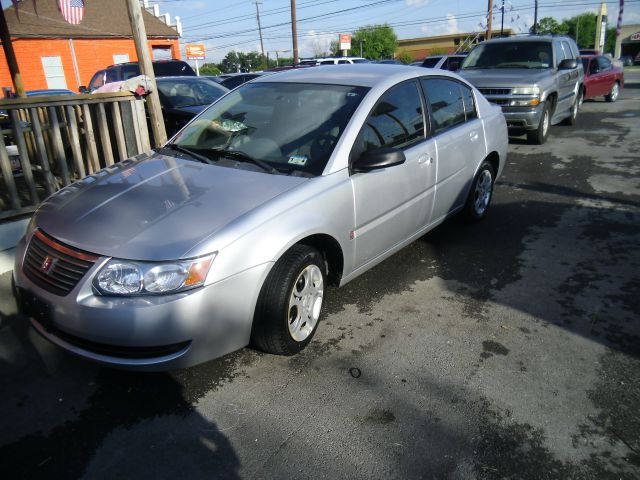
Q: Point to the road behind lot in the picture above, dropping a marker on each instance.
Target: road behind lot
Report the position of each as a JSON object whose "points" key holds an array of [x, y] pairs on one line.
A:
{"points": [[506, 349]]}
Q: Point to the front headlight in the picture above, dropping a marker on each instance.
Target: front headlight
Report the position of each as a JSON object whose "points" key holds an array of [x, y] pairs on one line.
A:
{"points": [[525, 91], [124, 277]]}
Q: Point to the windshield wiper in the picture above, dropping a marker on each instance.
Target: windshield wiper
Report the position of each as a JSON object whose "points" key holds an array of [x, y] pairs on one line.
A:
{"points": [[243, 157], [191, 153]]}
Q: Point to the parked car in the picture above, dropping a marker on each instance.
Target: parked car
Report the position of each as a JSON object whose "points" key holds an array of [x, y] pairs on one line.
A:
{"points": [[602, 78], [537, 80], [231, 233], [182, 98], [236, 79], [389, 61], [340, 60], [626, 60], [125, 71], [589, 51], [444, 62]]}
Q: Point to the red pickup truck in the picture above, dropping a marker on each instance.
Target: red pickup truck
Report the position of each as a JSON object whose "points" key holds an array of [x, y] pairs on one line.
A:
{"points": [[602, 77]]}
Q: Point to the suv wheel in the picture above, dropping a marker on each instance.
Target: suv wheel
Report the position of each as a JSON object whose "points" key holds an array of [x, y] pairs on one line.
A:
{"points": [[540, 134], [571, 119]]}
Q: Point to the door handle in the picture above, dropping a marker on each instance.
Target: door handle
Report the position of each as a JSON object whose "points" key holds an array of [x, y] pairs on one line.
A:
{"points": [[473, 136], [425, 159]]}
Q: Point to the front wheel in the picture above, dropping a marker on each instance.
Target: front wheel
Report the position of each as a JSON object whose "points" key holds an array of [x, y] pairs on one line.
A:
{"points": [[613, 94], [480, 194], [540, 134], [290, 302]]}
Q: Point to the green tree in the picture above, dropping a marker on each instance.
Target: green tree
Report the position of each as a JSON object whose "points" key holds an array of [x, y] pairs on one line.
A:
{"points": [[209, 69], [378, 41], [582, 28], [244, 62], [549, 26], [405, 57]]}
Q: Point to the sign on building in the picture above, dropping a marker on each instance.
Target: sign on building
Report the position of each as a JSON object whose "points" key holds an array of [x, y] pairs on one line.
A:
{"points": [[194, 51], [635, 37], [345, 41]]}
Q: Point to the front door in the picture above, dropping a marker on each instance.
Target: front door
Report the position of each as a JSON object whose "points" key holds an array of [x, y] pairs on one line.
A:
{"points": [[392, 203]]}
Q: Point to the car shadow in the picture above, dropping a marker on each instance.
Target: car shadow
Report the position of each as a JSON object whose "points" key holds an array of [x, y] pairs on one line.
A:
{"points": [[67, 418]]}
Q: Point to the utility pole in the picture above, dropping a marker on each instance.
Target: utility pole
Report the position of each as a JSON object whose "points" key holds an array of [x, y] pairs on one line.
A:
{"points": [[146, 68], [10, 55], [258, 2], [502, 21], [535, 18], [294, 33], [489, 20]]}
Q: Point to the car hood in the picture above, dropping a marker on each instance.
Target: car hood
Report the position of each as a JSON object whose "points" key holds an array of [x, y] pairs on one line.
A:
{"points": [[504, 77], [155, 208]]}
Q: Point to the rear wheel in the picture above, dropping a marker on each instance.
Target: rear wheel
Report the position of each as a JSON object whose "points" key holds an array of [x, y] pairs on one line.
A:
{"points": [[540, 134], [480, 194], [290, 302], [613, 94]]}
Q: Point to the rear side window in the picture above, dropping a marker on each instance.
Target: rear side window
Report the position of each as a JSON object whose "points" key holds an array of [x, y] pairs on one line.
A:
{"points": [[327, 62], [604, 63], [469, 104], [130, 71], [342, 62], [431, 62], [112, 75], [397, 120], [445, 99]]}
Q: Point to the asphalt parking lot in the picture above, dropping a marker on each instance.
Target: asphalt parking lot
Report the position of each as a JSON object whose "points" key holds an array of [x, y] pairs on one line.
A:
{"points": [[506, 349]]}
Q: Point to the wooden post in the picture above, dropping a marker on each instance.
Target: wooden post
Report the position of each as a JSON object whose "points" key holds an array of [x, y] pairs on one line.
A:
{"points": [[489, 20], [294, 32], [146, 68], [7, 46]]}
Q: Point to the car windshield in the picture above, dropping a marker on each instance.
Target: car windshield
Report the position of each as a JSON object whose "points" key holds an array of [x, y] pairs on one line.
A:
{"points": [[510, 55], [186, 92], [292, 127]]}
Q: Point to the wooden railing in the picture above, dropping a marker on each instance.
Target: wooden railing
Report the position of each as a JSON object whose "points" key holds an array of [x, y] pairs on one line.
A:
{"points": [[48, 142]]}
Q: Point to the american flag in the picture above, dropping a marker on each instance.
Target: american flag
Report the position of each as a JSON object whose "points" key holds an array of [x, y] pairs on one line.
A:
{"points": [[72, 10]]}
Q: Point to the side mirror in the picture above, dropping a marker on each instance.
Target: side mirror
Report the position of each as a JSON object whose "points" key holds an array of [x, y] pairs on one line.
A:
{"points": [[83, 89], [377, 159], [568, 64]]}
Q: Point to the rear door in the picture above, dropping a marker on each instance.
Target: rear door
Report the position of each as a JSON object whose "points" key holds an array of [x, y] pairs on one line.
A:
{"points": [[459, 138], [391, 204]]}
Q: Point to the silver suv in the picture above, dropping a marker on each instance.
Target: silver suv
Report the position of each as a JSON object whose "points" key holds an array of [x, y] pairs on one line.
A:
{"points": [[537, 80]]}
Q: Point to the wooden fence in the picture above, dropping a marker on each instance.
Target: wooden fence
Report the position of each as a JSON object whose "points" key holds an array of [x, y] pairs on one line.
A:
{"points": [[48, 142]]}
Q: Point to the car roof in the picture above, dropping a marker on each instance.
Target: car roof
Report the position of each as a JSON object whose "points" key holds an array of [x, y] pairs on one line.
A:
{"points": [[528, 38], [363, 74]]}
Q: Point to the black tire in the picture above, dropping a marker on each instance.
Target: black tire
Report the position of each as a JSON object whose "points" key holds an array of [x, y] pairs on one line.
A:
{"points": [[540, 134], [271, 330], [474, 210], [612, 96], [571, 119]]}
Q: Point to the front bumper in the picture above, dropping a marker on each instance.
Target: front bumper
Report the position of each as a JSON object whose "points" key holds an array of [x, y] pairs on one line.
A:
{"points": [[523, 118], [145, 333]]}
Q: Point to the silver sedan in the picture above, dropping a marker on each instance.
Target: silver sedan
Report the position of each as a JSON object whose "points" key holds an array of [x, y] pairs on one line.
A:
{"points": [[230, 234]]}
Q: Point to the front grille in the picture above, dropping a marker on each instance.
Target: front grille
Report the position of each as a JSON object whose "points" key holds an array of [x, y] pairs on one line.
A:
{"points": [[55, 267], [495, 91]]}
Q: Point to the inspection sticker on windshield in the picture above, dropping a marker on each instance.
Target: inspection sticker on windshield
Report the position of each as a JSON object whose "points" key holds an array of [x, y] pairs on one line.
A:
{"points": [[298, 159]]}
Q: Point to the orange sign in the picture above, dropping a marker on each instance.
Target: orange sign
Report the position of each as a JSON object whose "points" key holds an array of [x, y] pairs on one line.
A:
{"points": [[194, 51], [345, 41]]}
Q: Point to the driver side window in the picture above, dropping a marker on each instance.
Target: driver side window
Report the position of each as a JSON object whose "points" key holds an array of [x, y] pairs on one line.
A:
{"points": [[396, 121]]}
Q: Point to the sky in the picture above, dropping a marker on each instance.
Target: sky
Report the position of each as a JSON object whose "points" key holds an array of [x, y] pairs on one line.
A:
{"points": [[225, 25]]}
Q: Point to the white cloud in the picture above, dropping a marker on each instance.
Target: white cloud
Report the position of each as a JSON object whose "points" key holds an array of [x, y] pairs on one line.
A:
{"points": [[315, 44], [444, 28], [417, 3]]}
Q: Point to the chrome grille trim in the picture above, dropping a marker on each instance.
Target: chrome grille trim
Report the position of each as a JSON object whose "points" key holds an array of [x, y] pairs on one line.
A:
{"points": [[68, 265]]}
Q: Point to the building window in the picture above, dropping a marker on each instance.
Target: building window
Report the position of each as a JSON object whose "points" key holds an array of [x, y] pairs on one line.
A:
{"points": [[162, 53], [120, 58], [53, 72]]}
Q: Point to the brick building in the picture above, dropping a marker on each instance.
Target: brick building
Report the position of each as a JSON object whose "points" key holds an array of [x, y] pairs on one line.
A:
{"points": [[52, 53], [422, 47]]}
